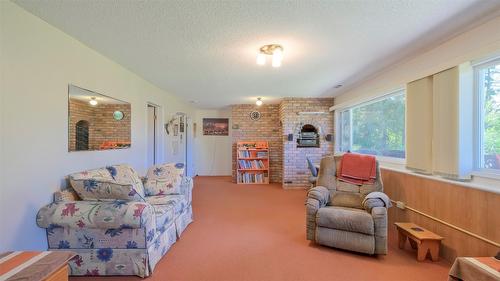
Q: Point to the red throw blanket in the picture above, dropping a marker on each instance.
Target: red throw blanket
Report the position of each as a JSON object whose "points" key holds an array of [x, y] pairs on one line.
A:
{"points": [[357, 169]]}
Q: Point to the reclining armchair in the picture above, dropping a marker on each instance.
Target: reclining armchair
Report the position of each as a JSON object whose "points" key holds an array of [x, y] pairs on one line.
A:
{"points": [[337, 214]]}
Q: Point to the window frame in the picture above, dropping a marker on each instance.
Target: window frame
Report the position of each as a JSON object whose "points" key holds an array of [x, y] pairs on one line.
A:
{"points": [[478, 129], [339, 129]]}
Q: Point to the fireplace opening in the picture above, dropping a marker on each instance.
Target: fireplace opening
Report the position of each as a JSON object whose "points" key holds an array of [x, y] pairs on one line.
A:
{"points": [[308, 136]]}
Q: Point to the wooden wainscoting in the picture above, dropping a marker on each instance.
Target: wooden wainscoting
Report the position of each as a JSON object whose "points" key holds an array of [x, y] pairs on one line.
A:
{"points": [[471, 209]]}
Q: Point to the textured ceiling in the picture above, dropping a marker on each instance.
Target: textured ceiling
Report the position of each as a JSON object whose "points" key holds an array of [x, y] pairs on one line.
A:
{"points": [[205, 51]]}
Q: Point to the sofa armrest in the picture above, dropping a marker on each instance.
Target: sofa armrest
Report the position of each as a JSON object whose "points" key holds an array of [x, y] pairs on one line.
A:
{"points": [[317, 197], [65, 195], [379, 215], [97, 214], [187, 189]]}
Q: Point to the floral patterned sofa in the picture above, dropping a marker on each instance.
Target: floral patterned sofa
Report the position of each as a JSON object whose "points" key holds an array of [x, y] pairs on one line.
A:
{"points": [[118, 223]]}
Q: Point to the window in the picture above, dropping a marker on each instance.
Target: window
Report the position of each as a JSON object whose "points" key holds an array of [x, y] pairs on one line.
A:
{"points": [[376, 127], [488, 115]]}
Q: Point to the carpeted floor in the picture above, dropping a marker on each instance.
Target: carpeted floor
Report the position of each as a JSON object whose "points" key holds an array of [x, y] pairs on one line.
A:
{"points": [[257, 232]]}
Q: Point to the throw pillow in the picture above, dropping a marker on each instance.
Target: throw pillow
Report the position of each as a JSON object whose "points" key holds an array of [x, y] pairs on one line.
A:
{"points": [[164, 179], [110, 183]]}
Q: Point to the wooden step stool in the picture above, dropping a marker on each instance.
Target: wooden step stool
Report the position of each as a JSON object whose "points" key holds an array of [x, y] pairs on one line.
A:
{"points": [[420, 238]]}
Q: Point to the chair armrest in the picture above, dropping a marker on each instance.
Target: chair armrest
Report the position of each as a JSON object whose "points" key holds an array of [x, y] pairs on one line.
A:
{"points": [[319, 193], [97, 214], [379, 215], [376, 199], [317, 197]]}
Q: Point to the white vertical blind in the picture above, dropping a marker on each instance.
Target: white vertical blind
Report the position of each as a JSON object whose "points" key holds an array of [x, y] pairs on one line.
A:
{"points": [[439, 123], [445, 150], [419, 124]]}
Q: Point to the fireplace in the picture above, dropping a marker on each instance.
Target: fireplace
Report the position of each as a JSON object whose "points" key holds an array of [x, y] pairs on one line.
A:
{"points": [[308, 136]]}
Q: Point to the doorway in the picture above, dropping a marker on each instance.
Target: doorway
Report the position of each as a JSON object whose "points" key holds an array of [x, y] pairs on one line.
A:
{"points": [[182, 142], [82, 135], [152, 135]]}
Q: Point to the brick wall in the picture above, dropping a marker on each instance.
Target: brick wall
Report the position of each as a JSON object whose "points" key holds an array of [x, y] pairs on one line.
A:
{"points": [[266, 129], [102, 125], [295, 169]]}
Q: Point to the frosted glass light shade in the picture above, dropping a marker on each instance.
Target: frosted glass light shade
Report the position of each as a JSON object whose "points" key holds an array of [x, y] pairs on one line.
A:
{"points": [[261, 59], [277, 57]]}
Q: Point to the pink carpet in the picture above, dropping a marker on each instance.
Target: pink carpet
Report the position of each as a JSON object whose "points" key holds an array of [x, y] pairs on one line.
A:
{"points": [[257, 232]]}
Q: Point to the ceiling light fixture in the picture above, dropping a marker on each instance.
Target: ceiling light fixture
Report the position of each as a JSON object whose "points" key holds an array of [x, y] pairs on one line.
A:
{"points": [[261, 59], [259, 102], [93, 101], [274, 50]]}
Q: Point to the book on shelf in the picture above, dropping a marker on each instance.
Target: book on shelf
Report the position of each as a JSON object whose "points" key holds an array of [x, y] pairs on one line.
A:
{"points": [[252, 178], [244, 154], [251, 164], [247, 154], [261, 154]]}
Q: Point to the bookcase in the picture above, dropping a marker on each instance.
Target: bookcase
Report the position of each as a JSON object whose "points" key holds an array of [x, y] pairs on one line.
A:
{"points": [[252, 162]]}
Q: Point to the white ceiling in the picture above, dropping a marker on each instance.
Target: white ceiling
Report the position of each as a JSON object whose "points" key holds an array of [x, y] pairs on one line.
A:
{"points": [[205, 51]]}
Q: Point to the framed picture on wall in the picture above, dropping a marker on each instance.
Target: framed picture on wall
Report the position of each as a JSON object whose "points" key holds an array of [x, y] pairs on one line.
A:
{"points": [[215, 126]]}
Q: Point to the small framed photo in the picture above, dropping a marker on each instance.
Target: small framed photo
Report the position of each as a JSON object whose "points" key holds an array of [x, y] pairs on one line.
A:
{"points": [[216, 126]]}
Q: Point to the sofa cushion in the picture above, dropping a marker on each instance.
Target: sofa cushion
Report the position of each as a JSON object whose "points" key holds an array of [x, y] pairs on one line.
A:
{"points": [[346, 199], [347, 187], [107, 184], [166, 208], [177, 201], [347, 219], [93, 214], [164, 179]]}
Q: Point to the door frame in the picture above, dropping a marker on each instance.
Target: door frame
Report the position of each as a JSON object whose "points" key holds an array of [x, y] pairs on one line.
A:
{"points": [[189, 146], [159, 138]]}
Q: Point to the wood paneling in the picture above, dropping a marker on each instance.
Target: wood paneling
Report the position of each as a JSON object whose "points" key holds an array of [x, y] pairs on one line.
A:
{"points": [[474, 210]]}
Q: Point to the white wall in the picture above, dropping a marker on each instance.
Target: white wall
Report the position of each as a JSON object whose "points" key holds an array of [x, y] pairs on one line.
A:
{"points": [[37, 63], [212, 153], [478, 42]]}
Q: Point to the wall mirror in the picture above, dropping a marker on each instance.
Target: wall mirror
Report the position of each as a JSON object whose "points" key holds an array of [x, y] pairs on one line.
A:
{"points": [[96, 121]]}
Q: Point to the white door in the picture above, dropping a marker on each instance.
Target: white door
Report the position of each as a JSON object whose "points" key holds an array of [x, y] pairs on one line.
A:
{"points": [[152, 137]]}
